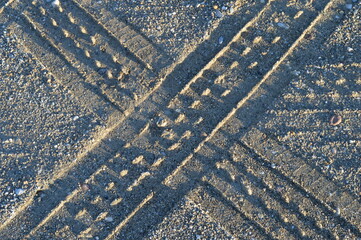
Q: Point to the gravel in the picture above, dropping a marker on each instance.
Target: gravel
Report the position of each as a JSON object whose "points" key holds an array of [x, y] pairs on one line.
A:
{"points": [[41, 125]]}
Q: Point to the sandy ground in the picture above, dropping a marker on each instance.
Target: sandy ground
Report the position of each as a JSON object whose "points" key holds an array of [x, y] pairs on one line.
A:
{"points": [[180, 119]]}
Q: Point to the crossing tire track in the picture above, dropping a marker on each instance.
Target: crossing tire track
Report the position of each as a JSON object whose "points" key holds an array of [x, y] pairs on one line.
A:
{"points": [[136, 170], [103, 147]]}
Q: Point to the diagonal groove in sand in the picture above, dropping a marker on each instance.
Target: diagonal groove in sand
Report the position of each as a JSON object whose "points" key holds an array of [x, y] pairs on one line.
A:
{"points": [[239, 104], [151, 92]]}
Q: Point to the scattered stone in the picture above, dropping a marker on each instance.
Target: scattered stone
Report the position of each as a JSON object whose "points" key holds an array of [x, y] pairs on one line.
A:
{"points": [[220, 40], [55, 3], [296, 73], [84, 187], [334, 150], [283, 25], [161, 122], [108, 219], [75, 118], [219, 14], [349, 6], [335, 120], [19, 191], [39, 194], [102, 71]]}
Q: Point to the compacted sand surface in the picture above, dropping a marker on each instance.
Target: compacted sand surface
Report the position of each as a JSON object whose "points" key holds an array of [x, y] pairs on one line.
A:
{"points": [[165, 119]]}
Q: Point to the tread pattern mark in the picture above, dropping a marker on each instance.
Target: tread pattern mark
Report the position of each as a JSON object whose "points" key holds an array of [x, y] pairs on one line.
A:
{"points": [[104, 65], [194, 103], [68, 76], [136, 43], [141, 163], [99, 58], [304, 206], [227, 216], [337, 200], [116, 134]]}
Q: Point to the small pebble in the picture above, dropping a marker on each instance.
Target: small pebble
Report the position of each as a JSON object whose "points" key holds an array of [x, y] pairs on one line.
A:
{"points": [[231, 10], [335, 120], [108, 219], [75, 118], [102, 71], [283, 25], [161, 122], [55, 3], [219, 14], [84, 187], [334, 150], [349, 6], [19, 191], [220, 40]]}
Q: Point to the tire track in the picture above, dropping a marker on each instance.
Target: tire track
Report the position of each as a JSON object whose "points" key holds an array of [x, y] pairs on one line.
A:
{"points": [[69, 76], [4, 4], [152, 57], [268, 220], [252, 186], [227, 215], [158, 168], [172, 147], [332, 197], [105, 149], [304, 205], [99, 58], [101, 66]]}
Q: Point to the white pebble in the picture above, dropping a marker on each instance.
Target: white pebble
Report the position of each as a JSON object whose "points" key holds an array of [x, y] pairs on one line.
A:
{"points": [[109, 219], [220, 40], [219, 14], [283, 25], [75, 118], [161, 122], [55, 3], [19, 191]]}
